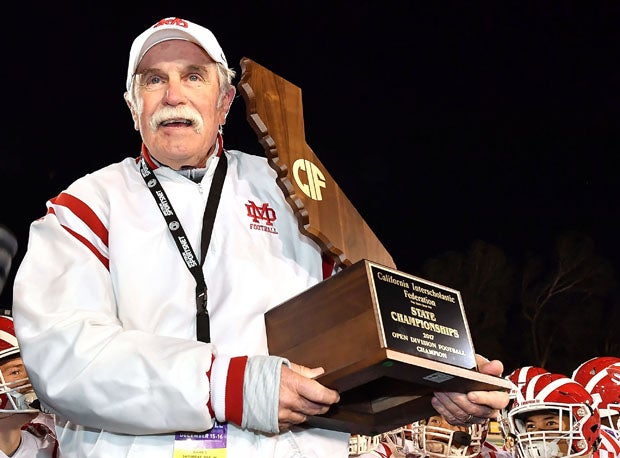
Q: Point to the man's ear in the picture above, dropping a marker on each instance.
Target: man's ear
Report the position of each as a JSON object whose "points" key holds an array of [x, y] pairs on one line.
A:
{"points": [[230, 97], [134, 113]]}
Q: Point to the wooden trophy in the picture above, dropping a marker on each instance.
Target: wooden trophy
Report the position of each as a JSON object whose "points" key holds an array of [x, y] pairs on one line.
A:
{"points": [[387, 340]]}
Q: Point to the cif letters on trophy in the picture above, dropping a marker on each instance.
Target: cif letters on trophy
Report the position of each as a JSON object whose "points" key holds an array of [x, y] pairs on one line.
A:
{"points": [[387, 340]]}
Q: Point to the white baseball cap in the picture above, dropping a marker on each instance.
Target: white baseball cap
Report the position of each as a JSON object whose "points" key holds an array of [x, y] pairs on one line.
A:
{"points": [[172, 28]]}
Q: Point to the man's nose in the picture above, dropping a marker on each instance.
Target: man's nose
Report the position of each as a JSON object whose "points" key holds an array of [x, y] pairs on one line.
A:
{"points": [[174, 91]]}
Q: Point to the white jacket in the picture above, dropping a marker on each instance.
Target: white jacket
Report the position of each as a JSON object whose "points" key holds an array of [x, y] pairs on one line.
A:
{"points": [[104, 309]]}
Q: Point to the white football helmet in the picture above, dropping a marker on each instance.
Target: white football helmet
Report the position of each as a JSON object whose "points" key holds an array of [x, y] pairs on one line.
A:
{"points": [[359, 444], [430, 439], [398, 441], [16, 395]]}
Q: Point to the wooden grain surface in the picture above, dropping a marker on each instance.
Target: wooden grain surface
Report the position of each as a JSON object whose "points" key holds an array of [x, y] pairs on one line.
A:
{"points": [[325, 214]]}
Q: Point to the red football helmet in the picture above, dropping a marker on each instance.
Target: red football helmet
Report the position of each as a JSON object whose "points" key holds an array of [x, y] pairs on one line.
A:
{"points": [[552, 417], [519, 377], [601, 378], [16, 395], [594, 365]]}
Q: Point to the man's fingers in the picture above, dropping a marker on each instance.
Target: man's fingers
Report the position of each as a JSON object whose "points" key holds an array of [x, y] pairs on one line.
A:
{"points": [[494, 367], [457, 407], [307, 371], [496, 400], [314, 395], [301, 397], [475, 406]]}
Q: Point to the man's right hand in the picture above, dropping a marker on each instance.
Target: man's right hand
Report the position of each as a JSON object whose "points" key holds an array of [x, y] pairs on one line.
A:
{"points": [[301, 396]]}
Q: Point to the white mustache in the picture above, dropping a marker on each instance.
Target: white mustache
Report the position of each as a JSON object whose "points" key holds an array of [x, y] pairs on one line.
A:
{"points": [[181, 112]]}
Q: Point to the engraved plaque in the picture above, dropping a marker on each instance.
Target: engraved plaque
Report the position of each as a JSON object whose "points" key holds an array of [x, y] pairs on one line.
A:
{"points": [[422, 318], [387, 340]]}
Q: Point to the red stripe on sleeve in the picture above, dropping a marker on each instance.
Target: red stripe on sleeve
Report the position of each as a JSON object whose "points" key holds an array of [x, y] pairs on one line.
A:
{"points": [[84, 212], [234, 389], [105, 261]]}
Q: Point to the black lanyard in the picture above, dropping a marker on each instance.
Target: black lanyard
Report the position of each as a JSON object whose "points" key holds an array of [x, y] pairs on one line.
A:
{"points": [[178, 234]]}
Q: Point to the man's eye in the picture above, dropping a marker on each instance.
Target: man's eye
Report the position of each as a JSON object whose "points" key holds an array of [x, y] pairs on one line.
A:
{"points": [[13, 374], [153, 80]]}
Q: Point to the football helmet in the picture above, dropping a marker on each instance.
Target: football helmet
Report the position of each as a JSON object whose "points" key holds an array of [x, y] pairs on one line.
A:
{"points": [[572, 425], [600, 376], [519, 377], [359, 444], [16, 395], [430, 439], [396, 443], [610, 444]]}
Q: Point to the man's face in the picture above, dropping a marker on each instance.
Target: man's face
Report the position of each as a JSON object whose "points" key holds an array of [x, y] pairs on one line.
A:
{"points": [[437, 440], [546, 422], [177, 110], [15, 380], [549, 421], [439, 422], [15, 375]]}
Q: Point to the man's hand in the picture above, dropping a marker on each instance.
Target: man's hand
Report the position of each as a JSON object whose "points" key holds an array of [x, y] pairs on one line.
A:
{"points": [[475, 406], [301, 396]]}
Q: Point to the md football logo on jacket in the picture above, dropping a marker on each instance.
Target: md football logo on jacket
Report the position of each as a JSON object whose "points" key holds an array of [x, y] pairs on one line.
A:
{"points": [[262, 216]]}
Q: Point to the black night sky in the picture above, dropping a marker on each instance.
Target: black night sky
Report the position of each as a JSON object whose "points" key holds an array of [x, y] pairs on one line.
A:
{"points": [[443, 122]]}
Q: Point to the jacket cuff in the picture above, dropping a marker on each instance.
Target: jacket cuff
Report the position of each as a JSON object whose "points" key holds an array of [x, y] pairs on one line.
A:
{"points": [[246, 391], [227, 388], [261, 393]]}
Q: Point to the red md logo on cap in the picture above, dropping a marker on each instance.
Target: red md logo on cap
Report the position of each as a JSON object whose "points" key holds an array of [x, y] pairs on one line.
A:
{"points": [[172, 21]]}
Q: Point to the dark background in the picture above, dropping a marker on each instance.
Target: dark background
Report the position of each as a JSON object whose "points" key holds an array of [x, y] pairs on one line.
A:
{"points": [[443, 122]]}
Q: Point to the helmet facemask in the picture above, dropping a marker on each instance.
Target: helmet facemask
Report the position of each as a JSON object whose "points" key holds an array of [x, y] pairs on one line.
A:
{"points": [[560, 434], [16, 394], [440, 442], [610, 417]]}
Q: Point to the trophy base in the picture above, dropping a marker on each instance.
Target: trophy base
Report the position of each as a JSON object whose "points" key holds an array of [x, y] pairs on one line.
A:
{"points": [[385, 364], [392, 389]]}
